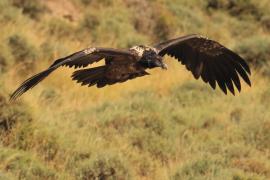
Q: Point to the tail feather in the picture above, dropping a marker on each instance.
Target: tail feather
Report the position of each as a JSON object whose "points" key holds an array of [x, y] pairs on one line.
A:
{"points": [[96, 76], [90, 76]]}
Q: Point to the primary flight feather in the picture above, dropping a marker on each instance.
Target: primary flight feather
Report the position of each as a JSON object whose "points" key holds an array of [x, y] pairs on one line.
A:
{"points": [[208, 59]]}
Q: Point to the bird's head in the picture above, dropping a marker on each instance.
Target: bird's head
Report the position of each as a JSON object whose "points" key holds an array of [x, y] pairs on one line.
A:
{"points": [[150, 59]]}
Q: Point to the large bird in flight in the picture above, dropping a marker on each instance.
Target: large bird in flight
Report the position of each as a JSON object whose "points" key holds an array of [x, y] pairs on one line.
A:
{"points": [[205, 58]]}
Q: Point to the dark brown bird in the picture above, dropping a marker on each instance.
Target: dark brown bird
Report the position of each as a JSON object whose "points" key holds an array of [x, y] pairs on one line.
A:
{"points": [[205, 58]]}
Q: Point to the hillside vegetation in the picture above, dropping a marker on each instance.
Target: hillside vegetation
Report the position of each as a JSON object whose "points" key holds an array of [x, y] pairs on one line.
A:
{"points": [[163, 126]]}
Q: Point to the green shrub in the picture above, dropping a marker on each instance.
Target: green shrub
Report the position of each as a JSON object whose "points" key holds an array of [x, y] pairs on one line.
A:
{"points": [[117, 30], [59, 28], [48, 146], [264, 99], [47, 50], [143, 18], [164, 23], [147, 165], [242, 29], [49, 95], [3, 64], [243, 9], [192, 93], [6, 176], [258, 134], [23, 165], [199, 169], [158, 147], [103, 166], [183, 18], [12, 114], [86, 2], [22, 51], [100, 2], [265, 21], [216, 4], [256, 51], [90, 22], [6, 57], [8, 12], [143, 121], [33, 8]]}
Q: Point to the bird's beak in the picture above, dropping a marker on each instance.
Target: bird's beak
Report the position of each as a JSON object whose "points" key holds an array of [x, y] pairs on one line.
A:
{"points": [[161, 64], [164, 66]]}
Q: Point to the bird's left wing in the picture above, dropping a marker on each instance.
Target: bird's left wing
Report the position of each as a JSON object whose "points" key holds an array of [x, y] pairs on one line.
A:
{"points": [[78, 59], [209, 60]]}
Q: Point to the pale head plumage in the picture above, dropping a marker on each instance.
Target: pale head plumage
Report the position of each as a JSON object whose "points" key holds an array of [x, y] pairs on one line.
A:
{"points": [[139, 50]]}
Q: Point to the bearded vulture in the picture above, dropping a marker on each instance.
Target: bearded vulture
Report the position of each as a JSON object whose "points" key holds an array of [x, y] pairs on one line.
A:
{"points": [[205, 58]]}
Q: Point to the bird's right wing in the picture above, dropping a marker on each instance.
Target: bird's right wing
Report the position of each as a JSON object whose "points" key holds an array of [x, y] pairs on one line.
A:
{"points": [[78, 59]]}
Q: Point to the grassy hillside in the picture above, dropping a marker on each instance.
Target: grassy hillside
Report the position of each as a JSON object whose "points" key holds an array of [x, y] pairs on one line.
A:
{"points": [[164, 126]]}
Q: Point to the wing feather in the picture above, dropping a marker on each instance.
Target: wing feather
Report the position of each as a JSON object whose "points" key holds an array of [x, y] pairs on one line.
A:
{"points": [[209, 60], [78, 59]]}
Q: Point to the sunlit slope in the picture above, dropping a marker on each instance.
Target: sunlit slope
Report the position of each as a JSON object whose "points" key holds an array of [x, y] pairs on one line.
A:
{"points": [[163, 126]]}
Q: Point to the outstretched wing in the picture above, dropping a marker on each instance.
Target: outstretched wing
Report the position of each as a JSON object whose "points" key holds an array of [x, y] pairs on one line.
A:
{"points": [[78, 59], [209, 60]]}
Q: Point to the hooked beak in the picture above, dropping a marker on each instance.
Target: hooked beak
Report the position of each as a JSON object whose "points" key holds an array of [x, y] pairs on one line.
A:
{"points": [[162, 65]]}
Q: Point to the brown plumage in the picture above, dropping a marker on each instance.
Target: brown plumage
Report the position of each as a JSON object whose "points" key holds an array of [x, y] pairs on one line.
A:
{"points": [[205, 58]]}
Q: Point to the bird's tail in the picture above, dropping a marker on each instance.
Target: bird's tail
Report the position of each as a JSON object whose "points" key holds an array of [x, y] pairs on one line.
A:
{"points": [[91, 76]]}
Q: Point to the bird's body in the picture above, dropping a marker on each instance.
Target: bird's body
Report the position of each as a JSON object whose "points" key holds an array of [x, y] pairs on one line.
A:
{"points": [[118, 68], [205, 58]]}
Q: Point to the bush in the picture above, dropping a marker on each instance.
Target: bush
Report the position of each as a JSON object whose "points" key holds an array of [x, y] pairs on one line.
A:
{"points": [[24, 165], [86, 2], [164, 23], [101, 2], [59, 28], [49, 95], [183, 18], [139, 9], [3, 64], [32, 8], [256, 51], [103, 166], [143, 121], [192, 93], [47, 50], [22, 50], [158, 147], [264, 100], [258, 134], [90, 22], [117, 30], [6, 57], [48, 145], [11, 115], [265, 21], [8, 12], [243, 9], [202, 168]]}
